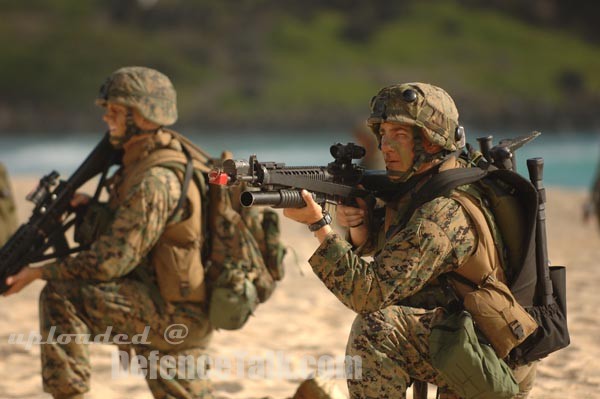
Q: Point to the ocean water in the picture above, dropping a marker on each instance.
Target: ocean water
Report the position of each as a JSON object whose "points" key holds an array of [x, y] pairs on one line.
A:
{"points": [[570, 159]]}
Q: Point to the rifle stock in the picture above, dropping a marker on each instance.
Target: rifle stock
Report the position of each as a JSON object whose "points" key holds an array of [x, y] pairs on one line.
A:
{"points": [[50, 220]]}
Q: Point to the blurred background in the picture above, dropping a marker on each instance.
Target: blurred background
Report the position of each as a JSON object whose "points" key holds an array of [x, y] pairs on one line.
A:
{"points": [[285, 79]]}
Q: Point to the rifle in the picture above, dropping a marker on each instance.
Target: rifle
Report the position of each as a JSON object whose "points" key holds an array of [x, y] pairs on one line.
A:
{"points": [[53, 215], [279, 185]]}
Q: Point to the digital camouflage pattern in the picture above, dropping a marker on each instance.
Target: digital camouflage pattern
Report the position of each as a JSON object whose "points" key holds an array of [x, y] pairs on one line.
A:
{"points": [[417, 104], [145, 89], [125, 305], [393, 344], [8, 211], [438, 238], [93, 290], [392, 340]]}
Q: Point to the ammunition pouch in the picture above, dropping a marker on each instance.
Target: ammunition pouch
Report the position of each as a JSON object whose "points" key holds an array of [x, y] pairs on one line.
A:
{"points": [[501, 319], [179, 271]]}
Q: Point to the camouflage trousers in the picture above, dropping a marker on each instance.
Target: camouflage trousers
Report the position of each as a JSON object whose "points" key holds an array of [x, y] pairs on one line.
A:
{"points": [[121, 307], [393, 344]]}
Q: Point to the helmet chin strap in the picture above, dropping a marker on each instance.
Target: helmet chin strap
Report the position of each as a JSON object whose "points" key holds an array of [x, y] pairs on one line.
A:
{"points": [[131, 130], [421, 157]]}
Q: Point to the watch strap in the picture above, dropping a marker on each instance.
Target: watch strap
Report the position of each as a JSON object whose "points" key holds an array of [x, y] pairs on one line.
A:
{"points": [[324, 221]]}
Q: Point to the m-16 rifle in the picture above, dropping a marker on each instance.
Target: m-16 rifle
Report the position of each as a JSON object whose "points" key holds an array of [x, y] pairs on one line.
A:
{"points": [[280, 185], [53, 215]]}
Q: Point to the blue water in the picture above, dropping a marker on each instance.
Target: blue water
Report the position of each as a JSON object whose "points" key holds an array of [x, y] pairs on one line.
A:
{"points": [[570, 159]]}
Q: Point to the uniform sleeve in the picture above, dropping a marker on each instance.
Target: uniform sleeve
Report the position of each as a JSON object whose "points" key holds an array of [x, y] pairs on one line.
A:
{"points": [[437, 239], [139, 222]]}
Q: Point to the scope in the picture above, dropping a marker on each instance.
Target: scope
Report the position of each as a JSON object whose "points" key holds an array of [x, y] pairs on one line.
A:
{"points": [[347, 151]]}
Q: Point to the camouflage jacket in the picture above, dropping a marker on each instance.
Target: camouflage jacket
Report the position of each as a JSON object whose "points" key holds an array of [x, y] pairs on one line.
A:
{"points": [[8, 211], [438, 238], [140, 218]]}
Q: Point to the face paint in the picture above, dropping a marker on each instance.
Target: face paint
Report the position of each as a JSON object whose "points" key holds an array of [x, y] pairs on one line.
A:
{"points": [[397, 147]]}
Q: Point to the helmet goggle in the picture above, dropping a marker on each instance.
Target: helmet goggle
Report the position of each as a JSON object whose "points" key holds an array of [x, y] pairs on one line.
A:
{"points": [[412, 104]]}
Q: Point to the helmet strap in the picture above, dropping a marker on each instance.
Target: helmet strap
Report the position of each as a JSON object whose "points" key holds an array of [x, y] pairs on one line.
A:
{"points": [[132, 129], [421, 157]]}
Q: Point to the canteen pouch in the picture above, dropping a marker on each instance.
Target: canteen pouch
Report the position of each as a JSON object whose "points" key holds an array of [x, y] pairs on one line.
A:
{"points": [[233, 299], [501, 319], [472, 370]]}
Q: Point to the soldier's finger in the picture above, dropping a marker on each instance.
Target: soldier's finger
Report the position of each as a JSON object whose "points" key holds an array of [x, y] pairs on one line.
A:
{"points": [[15, 286], [361, 203], [307, 197], [79, 199], [353, 220]]}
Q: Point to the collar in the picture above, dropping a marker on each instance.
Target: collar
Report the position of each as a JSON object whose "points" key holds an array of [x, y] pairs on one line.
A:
{"points": [[140, 147]]}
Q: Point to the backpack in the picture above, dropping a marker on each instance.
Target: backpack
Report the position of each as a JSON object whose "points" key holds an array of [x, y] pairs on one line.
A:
{"points": [[241, 252], [511, 205]]}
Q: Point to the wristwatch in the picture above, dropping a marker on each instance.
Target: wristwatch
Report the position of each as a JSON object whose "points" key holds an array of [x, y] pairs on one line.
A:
{"points": [[325, 220]]}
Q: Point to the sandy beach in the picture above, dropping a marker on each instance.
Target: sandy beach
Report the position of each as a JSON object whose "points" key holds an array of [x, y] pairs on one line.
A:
{"points": [[303, 322]]}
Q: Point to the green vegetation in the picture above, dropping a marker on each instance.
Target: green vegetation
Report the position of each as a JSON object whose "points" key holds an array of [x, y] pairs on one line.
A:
{"points": [[266, 64]]}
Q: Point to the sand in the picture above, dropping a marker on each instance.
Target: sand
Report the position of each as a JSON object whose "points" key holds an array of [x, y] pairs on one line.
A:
{"points": [[303, 324]]}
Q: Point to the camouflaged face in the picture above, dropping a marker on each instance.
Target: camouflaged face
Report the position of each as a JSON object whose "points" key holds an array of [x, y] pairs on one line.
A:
{"points": [[145, 89], [417, 104]]}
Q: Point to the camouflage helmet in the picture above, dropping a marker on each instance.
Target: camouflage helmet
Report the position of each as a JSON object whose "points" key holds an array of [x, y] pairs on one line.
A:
{"points": [[145, 89], [422, 105]]}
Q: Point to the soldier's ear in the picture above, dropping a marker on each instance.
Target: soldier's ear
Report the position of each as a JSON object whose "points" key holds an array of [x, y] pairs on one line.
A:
{"points": [[142, 122], [428, 146]]}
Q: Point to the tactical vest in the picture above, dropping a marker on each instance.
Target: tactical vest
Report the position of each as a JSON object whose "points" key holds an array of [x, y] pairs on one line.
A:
{"points": [[485, 260], [176, 256], [480, 282]]}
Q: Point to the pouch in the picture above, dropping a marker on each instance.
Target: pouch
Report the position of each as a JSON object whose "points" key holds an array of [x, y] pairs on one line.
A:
{"points": [[472, 370], [179, 272], [92, 223], [233, 299], [553, 332], [274, 249], [498, 315]]}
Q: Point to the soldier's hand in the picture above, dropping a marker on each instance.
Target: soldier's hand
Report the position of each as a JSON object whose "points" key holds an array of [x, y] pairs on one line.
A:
{"points": [[355, 219], [80, 199], [22, 279], [311, 213], [349, 216]]}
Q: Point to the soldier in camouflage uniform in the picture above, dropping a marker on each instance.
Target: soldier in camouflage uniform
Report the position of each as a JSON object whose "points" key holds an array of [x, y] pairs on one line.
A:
{"points": [[591, 208], [113, 284], [418, 132], [8, 211]]}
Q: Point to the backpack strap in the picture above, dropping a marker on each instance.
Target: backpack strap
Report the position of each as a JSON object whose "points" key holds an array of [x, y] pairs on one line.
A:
{"points": [[187, 177], [437, 186]]}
